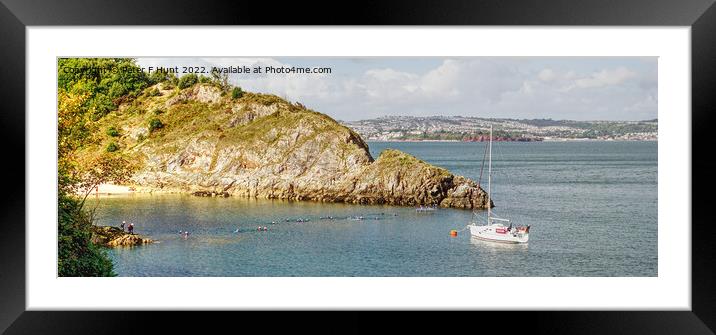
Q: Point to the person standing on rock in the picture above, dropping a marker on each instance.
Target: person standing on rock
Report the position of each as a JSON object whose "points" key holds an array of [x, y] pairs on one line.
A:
{"points": [[131, 228], [122, 225]]}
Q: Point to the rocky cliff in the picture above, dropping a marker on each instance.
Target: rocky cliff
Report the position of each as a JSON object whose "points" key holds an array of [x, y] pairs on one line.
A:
{"points": [[201, 140]]}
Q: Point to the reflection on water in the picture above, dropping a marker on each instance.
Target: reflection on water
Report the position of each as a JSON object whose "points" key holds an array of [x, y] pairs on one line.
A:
{"points": [[576, 197], [495, 247]]}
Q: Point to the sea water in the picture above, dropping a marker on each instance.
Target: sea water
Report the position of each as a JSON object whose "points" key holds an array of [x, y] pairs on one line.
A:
{"points": [[592, 207]]}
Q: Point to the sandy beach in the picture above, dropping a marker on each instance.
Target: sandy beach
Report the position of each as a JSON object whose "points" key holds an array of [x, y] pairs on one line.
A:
{"points": [[108, 189]]}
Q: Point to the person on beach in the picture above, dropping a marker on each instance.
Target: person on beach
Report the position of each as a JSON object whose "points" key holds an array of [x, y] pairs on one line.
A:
{"points": [[131, 228], [122, 225]]}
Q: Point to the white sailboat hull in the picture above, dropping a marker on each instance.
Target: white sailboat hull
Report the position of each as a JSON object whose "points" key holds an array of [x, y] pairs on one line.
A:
{"points": [[498, 233]]}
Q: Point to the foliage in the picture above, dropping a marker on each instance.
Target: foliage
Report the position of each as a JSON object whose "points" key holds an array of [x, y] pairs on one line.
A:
{"points": [[106, 81], [112, 147], [395, 160], [220, 80], [153, 92], [156, 77], [112, 131], [72, 123], [155, 124], [188, 80], [236, 93], [204, 79], [77, 255], [106, 168], [133, 110], [266, 99]]}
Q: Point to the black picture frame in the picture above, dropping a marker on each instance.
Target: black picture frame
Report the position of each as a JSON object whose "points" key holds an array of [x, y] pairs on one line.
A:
{"points": [[16, 15]]}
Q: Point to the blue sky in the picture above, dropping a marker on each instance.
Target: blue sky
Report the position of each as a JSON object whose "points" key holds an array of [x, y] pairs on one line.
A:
{"points": [[575, 88]]}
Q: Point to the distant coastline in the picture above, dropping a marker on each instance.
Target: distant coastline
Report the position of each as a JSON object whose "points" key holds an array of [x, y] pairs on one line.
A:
{"points": [[474, 129], [543, 140]]}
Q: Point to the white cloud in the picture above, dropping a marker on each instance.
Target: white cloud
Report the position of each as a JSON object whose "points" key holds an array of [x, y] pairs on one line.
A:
{"points": [[605, 77], [547, 75], [643, 108], [580, 89]]}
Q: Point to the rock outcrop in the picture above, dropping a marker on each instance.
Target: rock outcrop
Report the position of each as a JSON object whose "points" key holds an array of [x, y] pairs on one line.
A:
{"points": [[115, 237], [263, 146]]}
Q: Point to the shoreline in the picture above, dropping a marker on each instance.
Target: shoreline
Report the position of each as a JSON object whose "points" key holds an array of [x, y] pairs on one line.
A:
{"points": [[111, 189]]}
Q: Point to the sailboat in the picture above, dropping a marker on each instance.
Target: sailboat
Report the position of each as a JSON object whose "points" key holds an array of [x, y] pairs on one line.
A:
{"points": [[495, 230]]}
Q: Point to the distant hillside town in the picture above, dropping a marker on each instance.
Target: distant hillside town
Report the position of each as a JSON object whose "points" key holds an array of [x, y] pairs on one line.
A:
{"points": [[458, 128]]}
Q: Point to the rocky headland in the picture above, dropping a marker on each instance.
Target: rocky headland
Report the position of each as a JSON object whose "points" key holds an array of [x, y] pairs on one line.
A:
{"points": [[201, 141], [114, 237]]}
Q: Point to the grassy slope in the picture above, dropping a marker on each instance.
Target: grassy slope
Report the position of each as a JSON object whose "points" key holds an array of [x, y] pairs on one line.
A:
{"points": [[193, 119]]}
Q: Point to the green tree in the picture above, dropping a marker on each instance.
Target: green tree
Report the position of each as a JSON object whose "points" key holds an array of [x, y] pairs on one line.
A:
{"points": [[236, 93], [156, 77], [77, 255], [188, 80], [155, 124], [112, 131], [220, 79], [112, 147], [107, 81]]}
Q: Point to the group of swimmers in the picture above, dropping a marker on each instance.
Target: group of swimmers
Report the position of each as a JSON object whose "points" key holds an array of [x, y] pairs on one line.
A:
{"points": [[259, 228], [185, 234], [357, 218], [426, 208], [298, 220]]}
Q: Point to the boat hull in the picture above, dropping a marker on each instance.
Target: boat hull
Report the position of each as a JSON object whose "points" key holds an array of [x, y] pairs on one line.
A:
{"points": [[498, 233]]}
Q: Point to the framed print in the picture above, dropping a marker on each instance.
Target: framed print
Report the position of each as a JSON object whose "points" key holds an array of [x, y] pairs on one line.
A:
{"points": [[480, 159]]}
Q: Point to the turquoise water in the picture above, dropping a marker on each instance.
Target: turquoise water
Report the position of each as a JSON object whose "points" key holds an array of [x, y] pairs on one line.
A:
{"points": [[592, 207]]}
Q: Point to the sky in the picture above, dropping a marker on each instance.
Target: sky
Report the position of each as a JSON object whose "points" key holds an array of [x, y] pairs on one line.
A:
{"points": [[357, 88]]}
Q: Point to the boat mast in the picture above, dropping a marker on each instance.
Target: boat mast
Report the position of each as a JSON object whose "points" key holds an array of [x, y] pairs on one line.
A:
{"points": [[489, 180]]}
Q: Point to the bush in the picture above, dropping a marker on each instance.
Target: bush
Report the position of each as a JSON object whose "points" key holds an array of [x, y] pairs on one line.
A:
{"points": [[204, 79], [122, 80], [158, 111], [155, 124], [77, 256], [236, 93], [156, 77], [112, 131], [153, 92], [188, 80], [112, 147]]}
